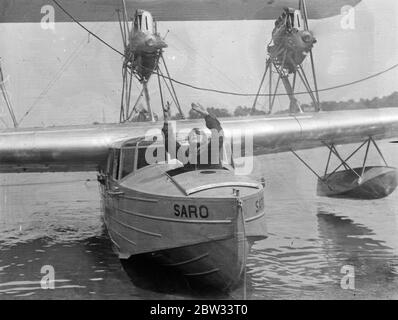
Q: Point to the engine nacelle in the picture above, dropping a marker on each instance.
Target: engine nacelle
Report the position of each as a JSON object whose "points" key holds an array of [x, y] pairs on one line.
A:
{"points": [[291, 42], [144, 46]]}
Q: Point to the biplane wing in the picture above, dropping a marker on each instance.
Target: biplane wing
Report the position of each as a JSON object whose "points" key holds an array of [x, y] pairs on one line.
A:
{"points": [[16, 11], [78, 148]]}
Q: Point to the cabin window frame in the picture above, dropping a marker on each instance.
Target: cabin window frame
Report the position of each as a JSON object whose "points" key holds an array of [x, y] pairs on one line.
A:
{"points": [[138, 154], [136, 146], [144, 144], [109, 165], [121, 166], [116, 164], [113, 165]]}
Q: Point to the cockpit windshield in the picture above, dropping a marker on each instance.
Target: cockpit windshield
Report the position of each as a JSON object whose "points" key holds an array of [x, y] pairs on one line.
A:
{"points": [[128, 158], [141, 159], [136, 155]]}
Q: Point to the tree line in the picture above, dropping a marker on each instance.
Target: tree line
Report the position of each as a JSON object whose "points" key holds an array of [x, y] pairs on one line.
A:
{"points": [[390, 101]]}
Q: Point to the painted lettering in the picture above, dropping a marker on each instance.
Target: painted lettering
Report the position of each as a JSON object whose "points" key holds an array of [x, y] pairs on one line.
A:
{"points": [[191, 211], [177, 210], [184, 212], [203, 212]]}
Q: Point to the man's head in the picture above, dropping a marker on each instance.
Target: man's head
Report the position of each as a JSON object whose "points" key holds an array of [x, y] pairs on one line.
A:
{"points": [[196, 136]]}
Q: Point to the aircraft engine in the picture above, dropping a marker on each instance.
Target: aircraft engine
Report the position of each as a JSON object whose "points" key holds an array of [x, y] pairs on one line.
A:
{"points": [[291, 42], [143, 57], [144, 45]]}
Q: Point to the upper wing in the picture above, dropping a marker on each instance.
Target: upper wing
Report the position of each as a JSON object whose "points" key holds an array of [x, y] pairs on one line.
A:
{"points": [[86, 148], [166, 10]]}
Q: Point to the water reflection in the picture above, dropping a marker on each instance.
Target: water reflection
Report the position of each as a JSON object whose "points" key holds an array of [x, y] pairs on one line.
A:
{"points": [[307, 268], [83, 269], [345, 242], [87, 269]]}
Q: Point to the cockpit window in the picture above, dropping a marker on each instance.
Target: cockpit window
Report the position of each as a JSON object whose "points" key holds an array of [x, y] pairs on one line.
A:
{"points": [[292, 19], [116, 162], [141, 161], [134, 157], [128, 158], [152, 150]]}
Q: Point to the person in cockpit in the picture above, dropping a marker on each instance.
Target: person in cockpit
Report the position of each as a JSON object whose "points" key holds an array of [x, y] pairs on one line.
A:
{"points": [[208, 151]]}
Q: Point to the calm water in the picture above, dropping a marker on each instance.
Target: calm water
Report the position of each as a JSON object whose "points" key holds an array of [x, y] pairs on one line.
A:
{"points": [[55, 219]]}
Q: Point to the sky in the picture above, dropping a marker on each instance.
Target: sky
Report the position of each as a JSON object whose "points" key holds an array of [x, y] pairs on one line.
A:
{"points": [[67, 77]]}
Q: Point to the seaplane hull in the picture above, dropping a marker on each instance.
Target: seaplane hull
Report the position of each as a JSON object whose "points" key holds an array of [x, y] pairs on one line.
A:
{"points": [[204, 234]]}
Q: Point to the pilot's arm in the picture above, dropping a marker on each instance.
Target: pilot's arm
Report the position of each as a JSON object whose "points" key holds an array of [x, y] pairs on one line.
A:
{"points": [[212, 124]]}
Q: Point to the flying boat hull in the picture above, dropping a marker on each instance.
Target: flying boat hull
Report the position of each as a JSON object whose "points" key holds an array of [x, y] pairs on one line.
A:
{"points": [[204, 234]]}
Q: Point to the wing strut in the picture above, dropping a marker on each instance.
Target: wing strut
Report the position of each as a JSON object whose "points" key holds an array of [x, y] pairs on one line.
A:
{"points": [[7, 97]]}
